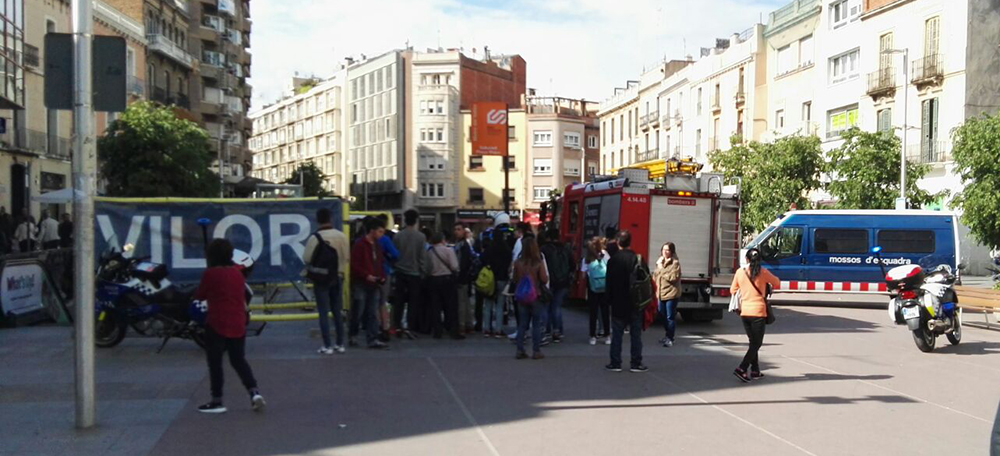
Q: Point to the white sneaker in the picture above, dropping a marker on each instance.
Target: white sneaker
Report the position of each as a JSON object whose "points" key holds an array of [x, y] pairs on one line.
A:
{"points": [[593, 341], [607, 340], [513, 336], [668, 343], [257, 402], [325, 351], [339, 349]]}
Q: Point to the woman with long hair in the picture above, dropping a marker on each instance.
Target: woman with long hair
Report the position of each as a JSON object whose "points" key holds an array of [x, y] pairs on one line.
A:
{"points": [[595, 266], [530, 265], [752, 283], [668, 289], [223, 287]]}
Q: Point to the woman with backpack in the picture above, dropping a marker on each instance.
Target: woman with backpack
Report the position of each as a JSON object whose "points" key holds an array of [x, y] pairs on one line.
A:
{"points": [[530, 277], [668, 286], [595, 267], [752, 283]]}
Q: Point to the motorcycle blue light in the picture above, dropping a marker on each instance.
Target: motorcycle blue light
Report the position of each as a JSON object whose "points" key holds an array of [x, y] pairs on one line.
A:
{"points": [[876, 249]]}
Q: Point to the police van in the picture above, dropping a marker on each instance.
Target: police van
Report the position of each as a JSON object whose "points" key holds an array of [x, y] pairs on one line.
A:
{"points": [[830, 250]]}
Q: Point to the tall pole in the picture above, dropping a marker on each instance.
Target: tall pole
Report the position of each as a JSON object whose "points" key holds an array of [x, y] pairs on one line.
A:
{"points": [[506, 184], [84, 172], [222, 178], [906, 131]]}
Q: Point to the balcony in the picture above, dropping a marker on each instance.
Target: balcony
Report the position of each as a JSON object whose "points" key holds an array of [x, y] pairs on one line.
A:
{"points": [[182, 6], [233, 36], [214, 130], [30, 56], [181, 101], [160, 44], [928, 70], [38, 142], [646, 156], [212, 58], [929, 152], [136, 87], [159, 95], [213, 22], [654, 119], [882, 83], [715, 104], [644, 122], [227, 7], [740, 98], [677, 117]]}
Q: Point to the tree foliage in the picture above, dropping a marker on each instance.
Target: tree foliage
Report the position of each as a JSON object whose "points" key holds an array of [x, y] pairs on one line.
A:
{"points": [[149, 152], [976, 151], [774, 176], [311, 178], [864, 172]]}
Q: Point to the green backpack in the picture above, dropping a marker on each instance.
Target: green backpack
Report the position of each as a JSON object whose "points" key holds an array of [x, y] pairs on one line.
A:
{"points": [[485, 282]]}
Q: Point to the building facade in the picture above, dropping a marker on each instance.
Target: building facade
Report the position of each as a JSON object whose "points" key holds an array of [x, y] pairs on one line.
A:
{"points": [[307, 126], [790, 38], [481, 184], [562, 146]]}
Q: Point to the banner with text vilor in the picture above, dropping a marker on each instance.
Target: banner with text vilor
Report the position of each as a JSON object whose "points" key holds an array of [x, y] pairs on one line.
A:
{"points": [[489, 128]]}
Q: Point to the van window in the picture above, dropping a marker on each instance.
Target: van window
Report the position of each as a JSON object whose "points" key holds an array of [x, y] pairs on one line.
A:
{"points": [[906, 241], [840, 241], [784, 242]]}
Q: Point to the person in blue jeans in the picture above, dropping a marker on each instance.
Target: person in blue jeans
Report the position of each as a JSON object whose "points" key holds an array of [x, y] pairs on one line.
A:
{"points": [[668, 289], [530, 265], [624, 312], [329, 297], [367, 276], [560, 268]]}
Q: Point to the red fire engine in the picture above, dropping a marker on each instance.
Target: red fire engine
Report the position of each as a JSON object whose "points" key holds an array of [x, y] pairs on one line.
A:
{"points": [[695, 211]]}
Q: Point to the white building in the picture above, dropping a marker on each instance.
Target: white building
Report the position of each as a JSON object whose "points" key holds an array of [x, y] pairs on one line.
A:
{"points": [[840, 83], [436, 118], [620, 127], [305, 127], [791, 69]]}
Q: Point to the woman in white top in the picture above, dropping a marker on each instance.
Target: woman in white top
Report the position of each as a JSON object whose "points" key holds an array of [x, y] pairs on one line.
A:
{"points": [[25, 234]]}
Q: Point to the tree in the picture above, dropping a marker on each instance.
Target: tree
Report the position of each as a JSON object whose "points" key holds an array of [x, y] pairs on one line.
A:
{"points": [[864, 172], [311, 178], [774, 176], [976, 151], [149, 152]]}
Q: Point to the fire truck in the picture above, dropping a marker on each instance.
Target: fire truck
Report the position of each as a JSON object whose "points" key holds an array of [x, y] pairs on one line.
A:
{"points": [[694, 210]]}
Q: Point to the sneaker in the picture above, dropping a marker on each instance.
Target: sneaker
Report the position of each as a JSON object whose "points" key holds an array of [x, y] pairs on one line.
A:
{"points": [[352, 342], [593, 341], [257, 402], [339, 349], [662, 341], [668, 343], [613, 368], [756, 375], [487, 334], [639, 368], [498, 335], [557, 338], [538, 355], [742, 375], [545, 341], [212, 407], [513, 336], [325, 351], [521, 355], [607, 340], [378, 346]]}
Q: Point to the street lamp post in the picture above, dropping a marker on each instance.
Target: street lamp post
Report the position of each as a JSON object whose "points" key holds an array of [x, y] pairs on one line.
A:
{"points": [[901, 201]]}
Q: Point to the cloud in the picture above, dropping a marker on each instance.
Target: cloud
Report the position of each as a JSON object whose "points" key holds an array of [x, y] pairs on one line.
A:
{"points": [[573, 48]]}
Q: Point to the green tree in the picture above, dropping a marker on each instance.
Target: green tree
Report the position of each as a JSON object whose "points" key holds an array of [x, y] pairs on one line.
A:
{"points": [[864, 172], [774, 176], [311, 178], [149, 152], [976, 150]]}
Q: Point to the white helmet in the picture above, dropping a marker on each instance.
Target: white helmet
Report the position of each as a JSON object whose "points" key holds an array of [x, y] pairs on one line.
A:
{"points": [[501, 218]]}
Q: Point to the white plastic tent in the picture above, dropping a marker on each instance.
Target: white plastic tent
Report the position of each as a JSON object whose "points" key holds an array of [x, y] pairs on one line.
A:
{"points": [[59, 196]]}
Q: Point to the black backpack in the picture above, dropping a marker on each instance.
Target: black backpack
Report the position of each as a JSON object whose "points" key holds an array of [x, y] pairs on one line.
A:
{"points": [[640, 285], [558, 261], [324, 266]]}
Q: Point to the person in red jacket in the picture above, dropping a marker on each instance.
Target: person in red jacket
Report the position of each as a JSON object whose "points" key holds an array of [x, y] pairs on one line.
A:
{"points": [[223, 287], [367, 277]]}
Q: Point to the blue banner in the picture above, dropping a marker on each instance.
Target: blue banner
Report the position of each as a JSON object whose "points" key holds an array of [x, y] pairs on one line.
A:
{"points": [[272, 231]]}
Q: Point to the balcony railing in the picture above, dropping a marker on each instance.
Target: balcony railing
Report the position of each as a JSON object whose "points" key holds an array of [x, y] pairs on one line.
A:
{"points": [[928, 70], [213, 22], [882, 82], [644, 122], [216, 59], [38, 142], [741, 97], [136, 86], [159, 43], [30, 55], [677, 116], [930, 152], [715, 103], [181, 100], [159, 95], [654, 118], [648, 155]]}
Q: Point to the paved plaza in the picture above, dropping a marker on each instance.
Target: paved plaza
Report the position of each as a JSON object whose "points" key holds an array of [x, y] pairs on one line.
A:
{"points": [[840, 380]]}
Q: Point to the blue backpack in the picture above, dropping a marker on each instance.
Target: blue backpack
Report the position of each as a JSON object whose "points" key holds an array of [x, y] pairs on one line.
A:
{"points": [[597, 272], [526, 293]]}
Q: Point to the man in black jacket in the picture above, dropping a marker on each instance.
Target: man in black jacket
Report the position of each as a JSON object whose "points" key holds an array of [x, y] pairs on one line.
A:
{"points": [[623, 311]]}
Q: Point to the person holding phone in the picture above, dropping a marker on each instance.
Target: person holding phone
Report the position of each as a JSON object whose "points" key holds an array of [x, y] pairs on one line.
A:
{"points": [[367, 278]]}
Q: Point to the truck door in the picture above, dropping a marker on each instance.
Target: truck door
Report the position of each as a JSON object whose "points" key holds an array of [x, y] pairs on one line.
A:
{"points": [[783, 252]]}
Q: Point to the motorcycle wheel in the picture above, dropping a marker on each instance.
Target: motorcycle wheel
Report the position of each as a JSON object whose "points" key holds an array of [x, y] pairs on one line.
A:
{"points": [[925, 339], [955, 337], [109, 330]]}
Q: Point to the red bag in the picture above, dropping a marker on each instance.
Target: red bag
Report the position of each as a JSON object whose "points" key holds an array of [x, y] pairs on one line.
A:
{"points": [[649, 313]]}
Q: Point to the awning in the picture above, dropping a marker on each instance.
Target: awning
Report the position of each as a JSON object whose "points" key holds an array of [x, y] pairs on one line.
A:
{"points": [[58, 196]]}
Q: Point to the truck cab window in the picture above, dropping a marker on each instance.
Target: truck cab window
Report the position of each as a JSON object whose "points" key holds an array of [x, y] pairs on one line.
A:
{"points": [[784, 242]]}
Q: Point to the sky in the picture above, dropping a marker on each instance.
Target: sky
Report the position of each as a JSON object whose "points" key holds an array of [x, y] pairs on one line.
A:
{"points": [[573, 48]]}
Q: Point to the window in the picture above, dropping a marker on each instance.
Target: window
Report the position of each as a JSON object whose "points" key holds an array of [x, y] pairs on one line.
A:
{"points": [[542, 193], [543, 138], [844, 66], [571, 140], [884, 56], [439, 107], [840, 120], [475, 195], [592, 142], [511, 133], [786, 60], [843, 11], [806, 51], [906, 241], [885, 120], [604, 133], [571, 168], [932, 36], [542, 167], [840, 241], [511, 162], [779, 119], [807, 112], [929, 130], [592, 169], [699, 101], [509, 195], [784, 242], [432, 190], [476, 162], [697, 141], [430, 162]]}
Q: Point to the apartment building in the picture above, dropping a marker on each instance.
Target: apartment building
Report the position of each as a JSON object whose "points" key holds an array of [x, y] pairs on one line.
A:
{"points": [[36, 142], [307, 126], [481, 184], [619, 121], [562, 147], [840, 83], [792, 73]]}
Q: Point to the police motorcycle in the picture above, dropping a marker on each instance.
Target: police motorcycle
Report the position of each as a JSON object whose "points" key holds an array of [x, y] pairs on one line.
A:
{"points": [[995, 269], [925, 302], [133, 292]]}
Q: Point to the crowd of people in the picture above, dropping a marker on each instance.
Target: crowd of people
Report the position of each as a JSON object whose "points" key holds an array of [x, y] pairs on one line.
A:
{"points": [[22, 234]]}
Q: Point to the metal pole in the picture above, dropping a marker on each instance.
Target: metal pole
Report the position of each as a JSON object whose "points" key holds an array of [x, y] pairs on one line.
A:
{"points": [[222, 176], [906, 131], [84, 172], [366, 194], [506, 185]]}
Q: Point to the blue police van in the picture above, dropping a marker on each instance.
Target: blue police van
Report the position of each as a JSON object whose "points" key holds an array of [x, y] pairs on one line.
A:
{"points": [[830, 247]]}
